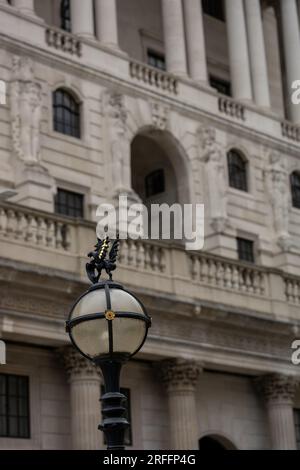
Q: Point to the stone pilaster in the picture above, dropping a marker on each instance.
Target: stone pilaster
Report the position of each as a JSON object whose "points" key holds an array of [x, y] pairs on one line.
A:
{"points": [[82, 18], [257, 52], [174, 37], [238, 50], [106, 22], [180, 378], [196, 50], [85, 383], [291, 46], [278, 391]]}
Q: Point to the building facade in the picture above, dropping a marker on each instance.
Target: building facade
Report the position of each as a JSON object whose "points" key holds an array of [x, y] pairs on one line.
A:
{"points": [[166, 101]]}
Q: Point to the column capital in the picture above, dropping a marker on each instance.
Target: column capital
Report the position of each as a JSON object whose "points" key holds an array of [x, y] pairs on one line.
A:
{"points": [[179, 374], [76, 365], [278, 388]]}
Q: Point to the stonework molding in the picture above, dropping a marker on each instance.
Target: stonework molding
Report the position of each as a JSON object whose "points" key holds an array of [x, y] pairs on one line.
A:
{"points": [[277, 388], [212, 154], [277, 184], [26, 108], [160, 116], [76, 365], [179, 374]]}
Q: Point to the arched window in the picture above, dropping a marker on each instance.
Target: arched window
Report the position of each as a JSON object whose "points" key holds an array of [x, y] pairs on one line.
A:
{"points": [[65, 15], [237, 171], [295, 188], [66, 113]]}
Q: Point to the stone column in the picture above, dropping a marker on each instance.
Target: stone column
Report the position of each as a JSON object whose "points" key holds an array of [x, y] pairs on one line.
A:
{"points": [[258, 61], [106, 22], [196, 51], [82, 18], [180, 378], [291, 46], [174, 37], [85, 385], [278, 391], [25, 6], [238, 50]]}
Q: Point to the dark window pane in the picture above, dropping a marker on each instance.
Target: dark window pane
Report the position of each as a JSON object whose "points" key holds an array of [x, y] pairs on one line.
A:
{"points": [[222, 86], [245, 250], [14, 406], [237, 171], [66, 114], [297, 426], [65, 15], [155, 183], [214, 8], [69, 203], [155, 59], [295, 188]]}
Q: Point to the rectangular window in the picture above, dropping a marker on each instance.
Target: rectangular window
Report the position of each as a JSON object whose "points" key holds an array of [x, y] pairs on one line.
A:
{"points": [[214, 8], [155, 59], [222, 86], [297, 426], [14, 406], [245, 250], [128, 432], [69, 203]]}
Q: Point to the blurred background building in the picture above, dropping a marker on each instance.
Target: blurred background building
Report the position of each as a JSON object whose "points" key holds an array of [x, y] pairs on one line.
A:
{"points": [[168, 101]]}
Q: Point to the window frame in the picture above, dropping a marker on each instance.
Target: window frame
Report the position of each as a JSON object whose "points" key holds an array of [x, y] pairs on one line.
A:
{"points": [[297, 426], [158, 56], [61, 124], [295, 187], [241, 238], [214, 80], [238, 175], [215, 9], [7, 415], [69, 193]]}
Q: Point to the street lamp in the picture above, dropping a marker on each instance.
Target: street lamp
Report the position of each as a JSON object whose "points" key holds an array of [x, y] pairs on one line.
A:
{"points": [[108, 325]]}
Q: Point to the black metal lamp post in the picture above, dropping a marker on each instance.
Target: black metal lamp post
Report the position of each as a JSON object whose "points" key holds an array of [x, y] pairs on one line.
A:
{"points": [[108, 325]]}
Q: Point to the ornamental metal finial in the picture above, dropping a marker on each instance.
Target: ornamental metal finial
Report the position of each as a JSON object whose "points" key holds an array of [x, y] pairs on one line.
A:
{"points": [[100, 261]]}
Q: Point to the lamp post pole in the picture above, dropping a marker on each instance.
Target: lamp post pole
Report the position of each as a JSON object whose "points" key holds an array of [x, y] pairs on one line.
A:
{"points": [[108, 325]]}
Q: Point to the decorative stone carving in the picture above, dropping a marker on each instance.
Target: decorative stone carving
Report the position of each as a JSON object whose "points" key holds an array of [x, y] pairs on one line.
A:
{"points": [[25, 111], [76, 364], [278, 190], [278, 388], [119, 142], [179, 373], [212, 155], [159, 116]]}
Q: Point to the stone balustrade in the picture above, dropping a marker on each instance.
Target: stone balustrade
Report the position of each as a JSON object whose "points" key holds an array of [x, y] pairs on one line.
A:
{"points": [[154, 77], [51, 241], [31, 227], [142, 255], [292, 290], [63, 41], [227, 274], [231, 108], [290, 131]]}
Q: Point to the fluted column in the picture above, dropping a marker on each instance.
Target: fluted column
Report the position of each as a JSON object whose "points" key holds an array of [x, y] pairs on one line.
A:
{"points": [[291, 46], [25, 6], [82, 18], [180, 378], [257, 52], [85, 384], [278, 391], [238, 50], [106, 22], [174, 37], [196, 51]]}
